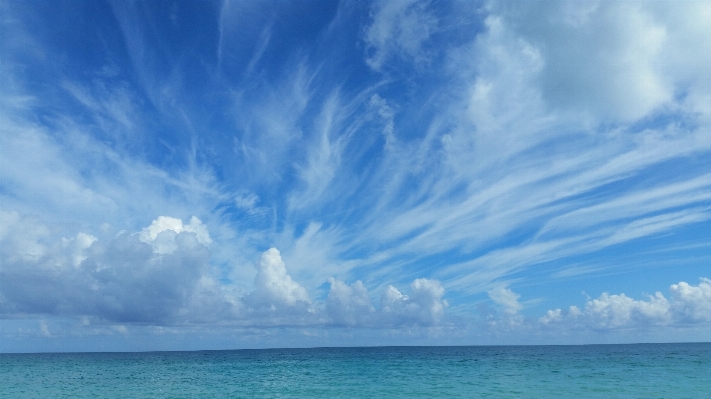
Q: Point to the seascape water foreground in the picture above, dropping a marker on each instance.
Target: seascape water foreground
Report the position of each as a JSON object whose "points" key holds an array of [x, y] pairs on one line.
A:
{"points": [[589, 371]]}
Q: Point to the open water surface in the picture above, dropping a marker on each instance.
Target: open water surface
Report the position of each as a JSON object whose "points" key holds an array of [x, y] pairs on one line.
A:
{"points": [[589, 371]]}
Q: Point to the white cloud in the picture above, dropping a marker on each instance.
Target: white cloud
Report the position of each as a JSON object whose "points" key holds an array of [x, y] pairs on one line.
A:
{"points": [[399, 29], [424, 306], [165, 243], [689, 304], [123, 279], [600, 58], [612, 311], [692, 304], [114, 110], [21, 237], [349, 305], [162, 276], [270, 122], [324, 156], [615, 61], [274, 290], [248, 202], [507, 299], [79, 245], [500, 136]]}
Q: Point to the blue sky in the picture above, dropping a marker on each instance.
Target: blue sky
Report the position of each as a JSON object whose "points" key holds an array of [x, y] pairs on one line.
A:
{"points": [[212, 175]]}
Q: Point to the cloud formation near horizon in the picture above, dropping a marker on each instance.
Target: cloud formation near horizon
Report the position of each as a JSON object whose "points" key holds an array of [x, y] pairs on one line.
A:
{"points": [[160, 276], [689, 305]]}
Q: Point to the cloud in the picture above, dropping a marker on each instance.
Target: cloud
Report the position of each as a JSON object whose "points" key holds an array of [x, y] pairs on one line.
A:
{"points": [[44, 330], [114, 108], [500, 136], [165, 243], [79, 245], [162, 275], [614, 61], [398, 30], [274, 290], [692, 304], [424, 306], [247, 202], [22, 237], [324, 156], [124, 279], [506, 299], [501, 145], [128, 281], [349, 305], [688, 305], [582, 66]]}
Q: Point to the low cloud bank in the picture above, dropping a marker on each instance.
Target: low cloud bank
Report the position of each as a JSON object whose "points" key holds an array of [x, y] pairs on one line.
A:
{"points": [[688, 304], [351, 305], [148, 277], [162, 275]]}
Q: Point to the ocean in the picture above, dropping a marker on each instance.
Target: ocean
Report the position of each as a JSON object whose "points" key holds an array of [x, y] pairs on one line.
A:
{"points": [[586, 371]]}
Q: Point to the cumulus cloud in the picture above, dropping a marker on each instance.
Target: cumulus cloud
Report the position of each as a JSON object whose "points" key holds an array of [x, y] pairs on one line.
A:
{"points": [[274, 289], [133, 281], [351, 306], [165, 243], [424, 306], [125, 279], [692, 304], [616, 61], [688, 305], [162, 275]]}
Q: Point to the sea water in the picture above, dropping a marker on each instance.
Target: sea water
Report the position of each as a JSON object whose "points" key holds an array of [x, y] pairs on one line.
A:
{"points": [[590, 371]]}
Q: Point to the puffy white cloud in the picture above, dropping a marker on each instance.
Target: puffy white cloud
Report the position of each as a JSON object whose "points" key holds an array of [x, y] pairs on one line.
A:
{"points": [[28, 241], [424, 306], [557, 315], [132, 281], [614, 61], [123, 280], [164, 243], [610, 311], [349, 305], [274, 289], [689, 304], [162, 275]]}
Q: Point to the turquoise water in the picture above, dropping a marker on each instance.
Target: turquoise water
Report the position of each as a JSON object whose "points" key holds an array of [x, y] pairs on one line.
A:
{"points": [[591, 371]]}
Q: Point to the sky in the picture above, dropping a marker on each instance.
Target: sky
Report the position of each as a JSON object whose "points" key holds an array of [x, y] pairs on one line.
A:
{"points": [[184, 175]]}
